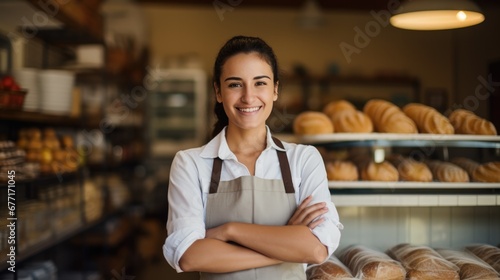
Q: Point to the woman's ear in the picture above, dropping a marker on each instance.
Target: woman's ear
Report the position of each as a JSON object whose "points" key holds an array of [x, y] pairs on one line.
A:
{"points": [[276, 86], [218, 95]]}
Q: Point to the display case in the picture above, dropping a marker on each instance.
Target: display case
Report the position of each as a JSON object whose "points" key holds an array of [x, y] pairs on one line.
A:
{"points": [[437, 214], [177, 111]]}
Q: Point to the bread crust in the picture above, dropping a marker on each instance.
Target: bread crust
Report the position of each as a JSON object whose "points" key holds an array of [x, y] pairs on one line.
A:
{"points": [[388, 118], [428, 119]]}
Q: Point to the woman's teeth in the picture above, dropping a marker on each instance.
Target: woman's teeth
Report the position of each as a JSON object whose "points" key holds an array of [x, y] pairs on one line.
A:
{"points": [[249, 110]]}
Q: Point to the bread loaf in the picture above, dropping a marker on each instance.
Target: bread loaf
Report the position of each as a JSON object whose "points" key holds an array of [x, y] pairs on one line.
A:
{"points": [[310, 123], [351, 121], [387, 117], [383, 171], [366, 263], [488, 253], [428, 119], [423, 263], [447, 172], [337, 106], [488, 172], [467, 165], [410, 169], [332, 269], [471, 267], [466, 122], [341, 170]]}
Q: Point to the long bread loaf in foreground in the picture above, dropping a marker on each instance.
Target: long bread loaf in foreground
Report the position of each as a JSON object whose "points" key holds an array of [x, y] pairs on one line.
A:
{"points": [[366, 263], [332, 269], [488, 253], [423, 263], [471, 267]]}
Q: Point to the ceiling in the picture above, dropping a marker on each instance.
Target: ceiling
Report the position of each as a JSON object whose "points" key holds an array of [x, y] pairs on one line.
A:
{"points": [[296, 4]]}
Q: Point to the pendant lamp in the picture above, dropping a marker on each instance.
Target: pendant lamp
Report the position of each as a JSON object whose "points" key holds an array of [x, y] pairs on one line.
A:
{"points": [[436, 14]]}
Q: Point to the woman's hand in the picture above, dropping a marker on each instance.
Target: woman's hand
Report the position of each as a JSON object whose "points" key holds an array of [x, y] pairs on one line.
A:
{"points": [[308, 215], [219, 233]]}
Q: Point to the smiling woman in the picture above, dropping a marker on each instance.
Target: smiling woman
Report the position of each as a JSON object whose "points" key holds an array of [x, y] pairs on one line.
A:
{"points": [[239, 204]]}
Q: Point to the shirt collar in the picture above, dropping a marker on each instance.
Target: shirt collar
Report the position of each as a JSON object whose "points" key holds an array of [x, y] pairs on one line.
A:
{"points": [[218, 147]]}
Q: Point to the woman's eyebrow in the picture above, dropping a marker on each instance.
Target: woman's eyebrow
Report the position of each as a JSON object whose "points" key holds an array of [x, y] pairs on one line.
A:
{"points": [[262, 77], [240, 79]]}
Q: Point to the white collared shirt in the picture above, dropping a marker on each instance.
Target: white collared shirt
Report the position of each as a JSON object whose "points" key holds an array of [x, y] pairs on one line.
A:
{"points": [[189, 182]]}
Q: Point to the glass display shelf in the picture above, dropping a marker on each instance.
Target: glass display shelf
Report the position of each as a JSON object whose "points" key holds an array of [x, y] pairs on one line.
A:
{"points": [[396, 140]]}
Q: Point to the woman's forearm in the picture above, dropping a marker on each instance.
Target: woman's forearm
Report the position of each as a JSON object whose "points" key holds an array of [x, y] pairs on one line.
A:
{"points": [[291, 243], [211, 255]]}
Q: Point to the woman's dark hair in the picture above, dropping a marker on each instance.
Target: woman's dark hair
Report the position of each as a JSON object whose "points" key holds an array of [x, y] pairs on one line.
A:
{"points": [[237, 45]]}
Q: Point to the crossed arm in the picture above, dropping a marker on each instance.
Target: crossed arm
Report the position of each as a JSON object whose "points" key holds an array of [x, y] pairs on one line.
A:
{"points": [[238, 246]]}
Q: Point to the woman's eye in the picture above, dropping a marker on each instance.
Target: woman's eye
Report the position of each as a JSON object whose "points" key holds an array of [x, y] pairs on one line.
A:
{"points": [[233, 85], [260, 83]]}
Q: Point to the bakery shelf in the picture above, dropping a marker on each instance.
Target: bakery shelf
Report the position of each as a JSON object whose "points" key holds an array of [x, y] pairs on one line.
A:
{"points": [[410, 185], [40, 118], [395, 140], [422, 200]]}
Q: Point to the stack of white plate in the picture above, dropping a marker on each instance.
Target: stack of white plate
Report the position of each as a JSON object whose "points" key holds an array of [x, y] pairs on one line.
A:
{"points": [[56, 91], [27, 78]]}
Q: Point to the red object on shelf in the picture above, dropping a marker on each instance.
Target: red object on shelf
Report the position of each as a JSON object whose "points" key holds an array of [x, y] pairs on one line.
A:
{"points": [[12, 99]]}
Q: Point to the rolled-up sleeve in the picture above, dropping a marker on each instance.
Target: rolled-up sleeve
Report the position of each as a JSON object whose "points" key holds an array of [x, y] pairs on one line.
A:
{"points": [[185, 209], [314, 182]]}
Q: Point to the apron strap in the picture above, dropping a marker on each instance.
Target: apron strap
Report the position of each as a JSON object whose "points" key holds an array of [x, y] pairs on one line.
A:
{"points": [[216, 170], [286, 174]]}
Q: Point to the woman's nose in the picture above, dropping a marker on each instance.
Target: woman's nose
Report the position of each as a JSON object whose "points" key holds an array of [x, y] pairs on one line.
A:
{"points": [[247, 95]]}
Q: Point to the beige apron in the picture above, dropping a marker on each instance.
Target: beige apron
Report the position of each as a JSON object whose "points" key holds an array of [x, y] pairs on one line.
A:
{"points": [[250, 199]]}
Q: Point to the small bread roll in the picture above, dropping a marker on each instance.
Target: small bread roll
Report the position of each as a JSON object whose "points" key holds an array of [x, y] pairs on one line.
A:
{"points": [[352, 121], [340, 170], [310, 123], [467, 164], [466, 122], [388, 118], [412, 170], [428, 119], [447, 172], [338, 106], [383, 171], [488, 172]]}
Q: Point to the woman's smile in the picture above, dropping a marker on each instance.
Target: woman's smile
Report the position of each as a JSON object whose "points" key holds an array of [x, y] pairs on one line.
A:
{"points": [[249, 109]]}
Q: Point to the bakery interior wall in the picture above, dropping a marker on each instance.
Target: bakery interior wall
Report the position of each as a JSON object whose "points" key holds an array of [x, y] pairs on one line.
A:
{"points": [[450, 60]]}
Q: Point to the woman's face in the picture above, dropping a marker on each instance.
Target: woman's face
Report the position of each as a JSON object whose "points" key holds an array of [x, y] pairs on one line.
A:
{"points": [[247, 90]]}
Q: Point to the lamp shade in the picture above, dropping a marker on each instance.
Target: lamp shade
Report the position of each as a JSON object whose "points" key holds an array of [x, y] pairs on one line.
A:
{"points": [[436, 14]]}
